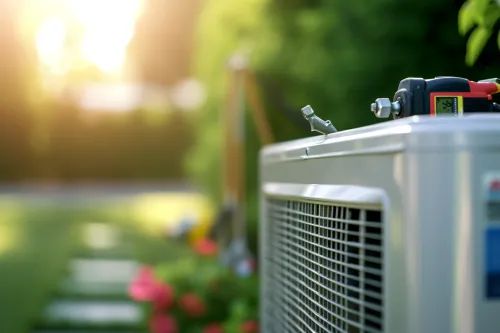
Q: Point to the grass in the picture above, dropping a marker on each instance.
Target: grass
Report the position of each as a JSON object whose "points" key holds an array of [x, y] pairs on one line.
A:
{"points": [[35, 246], [39, 237]]}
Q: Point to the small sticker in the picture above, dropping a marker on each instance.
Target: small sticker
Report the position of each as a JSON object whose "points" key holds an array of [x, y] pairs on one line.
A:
{"points": [[493, 263], [493, 200], [492, 239]]}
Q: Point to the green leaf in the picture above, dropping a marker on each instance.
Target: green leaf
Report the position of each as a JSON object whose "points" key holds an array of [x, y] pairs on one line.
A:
{"points": [[482, 11], [475, 44], [179, 269], [239, 309], [498, 39], [491, 15], [466, 17], [482, 4]]}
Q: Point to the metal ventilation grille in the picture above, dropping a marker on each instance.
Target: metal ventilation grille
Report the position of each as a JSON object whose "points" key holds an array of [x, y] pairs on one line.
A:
{"points": [[323, 268]]}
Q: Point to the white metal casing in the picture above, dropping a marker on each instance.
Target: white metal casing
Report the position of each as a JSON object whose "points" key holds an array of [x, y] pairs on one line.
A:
{"points": [[427, 175]]}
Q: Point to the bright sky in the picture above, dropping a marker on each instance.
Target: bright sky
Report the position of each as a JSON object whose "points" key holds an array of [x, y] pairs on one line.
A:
{"points": [[89, 31]]}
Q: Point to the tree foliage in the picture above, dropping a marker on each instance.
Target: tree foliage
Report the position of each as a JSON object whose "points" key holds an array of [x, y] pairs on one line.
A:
{"points": [[481, 17], [335, 55], [41, 138]]}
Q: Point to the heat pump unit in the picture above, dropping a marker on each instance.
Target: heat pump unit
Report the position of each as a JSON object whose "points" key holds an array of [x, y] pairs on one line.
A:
{"points": [[391, 228]]}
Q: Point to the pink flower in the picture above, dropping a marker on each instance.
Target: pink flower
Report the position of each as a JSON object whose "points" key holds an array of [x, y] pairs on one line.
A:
{"points": [[146, 273], [206, 247], [250, 326], [143, 286], [163, 297], [192, 305], [213, 328], [163, 323]]}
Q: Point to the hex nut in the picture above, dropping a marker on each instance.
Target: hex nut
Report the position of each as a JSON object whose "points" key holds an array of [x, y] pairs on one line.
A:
{"points": [[383, 107]]}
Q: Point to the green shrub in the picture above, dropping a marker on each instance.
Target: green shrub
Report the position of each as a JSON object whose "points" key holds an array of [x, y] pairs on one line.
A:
{"points": [[197, 294]]}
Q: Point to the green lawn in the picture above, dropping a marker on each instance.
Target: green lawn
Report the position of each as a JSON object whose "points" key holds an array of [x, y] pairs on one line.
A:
{"points": [[39, 236]]}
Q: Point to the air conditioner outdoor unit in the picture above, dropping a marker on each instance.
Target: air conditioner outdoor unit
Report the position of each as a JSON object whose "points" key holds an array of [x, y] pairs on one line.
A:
{"points": [[391, 228]]}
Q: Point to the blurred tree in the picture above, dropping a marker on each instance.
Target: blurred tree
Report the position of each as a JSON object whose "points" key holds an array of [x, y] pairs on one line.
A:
{"points": [[15, 70], [45, 135], [162, 45], [106, 146], [224, 27], [480, 16], [336, 55]]}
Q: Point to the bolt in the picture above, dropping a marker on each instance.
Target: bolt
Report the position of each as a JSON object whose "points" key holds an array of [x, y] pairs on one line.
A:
{"points": [[382, 107], [396, 106]]}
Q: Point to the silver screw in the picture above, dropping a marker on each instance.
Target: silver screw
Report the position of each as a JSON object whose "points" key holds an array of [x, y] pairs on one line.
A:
{"points": [[383, 107]]}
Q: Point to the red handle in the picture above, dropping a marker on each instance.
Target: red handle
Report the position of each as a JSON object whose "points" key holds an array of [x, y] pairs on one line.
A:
{"points": [[487, 88]]}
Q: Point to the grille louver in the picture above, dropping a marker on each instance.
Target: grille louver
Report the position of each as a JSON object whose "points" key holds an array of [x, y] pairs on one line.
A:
{"points": [[323, 268]]}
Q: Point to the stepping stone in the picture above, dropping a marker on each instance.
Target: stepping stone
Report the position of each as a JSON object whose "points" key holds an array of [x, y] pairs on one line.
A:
{"points": [[103, 270], [104, 289], [104, 239], [101, 236], [93, 313], [118, 253]]}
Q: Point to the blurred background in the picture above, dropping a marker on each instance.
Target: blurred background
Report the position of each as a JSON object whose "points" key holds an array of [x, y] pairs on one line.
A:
{"points": [[113, 128]]}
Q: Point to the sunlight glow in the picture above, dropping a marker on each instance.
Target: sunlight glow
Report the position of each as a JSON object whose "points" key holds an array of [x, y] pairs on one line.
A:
{"points": [[97, 31], [50, 41], [163, 211], [8, 237]]}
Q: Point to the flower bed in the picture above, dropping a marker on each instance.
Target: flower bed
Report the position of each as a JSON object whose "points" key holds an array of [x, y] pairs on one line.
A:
{"points": [[196, 294]]}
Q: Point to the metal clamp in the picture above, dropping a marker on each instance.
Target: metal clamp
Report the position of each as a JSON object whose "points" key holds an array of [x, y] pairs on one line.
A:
{"points": [[317, 124]]}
